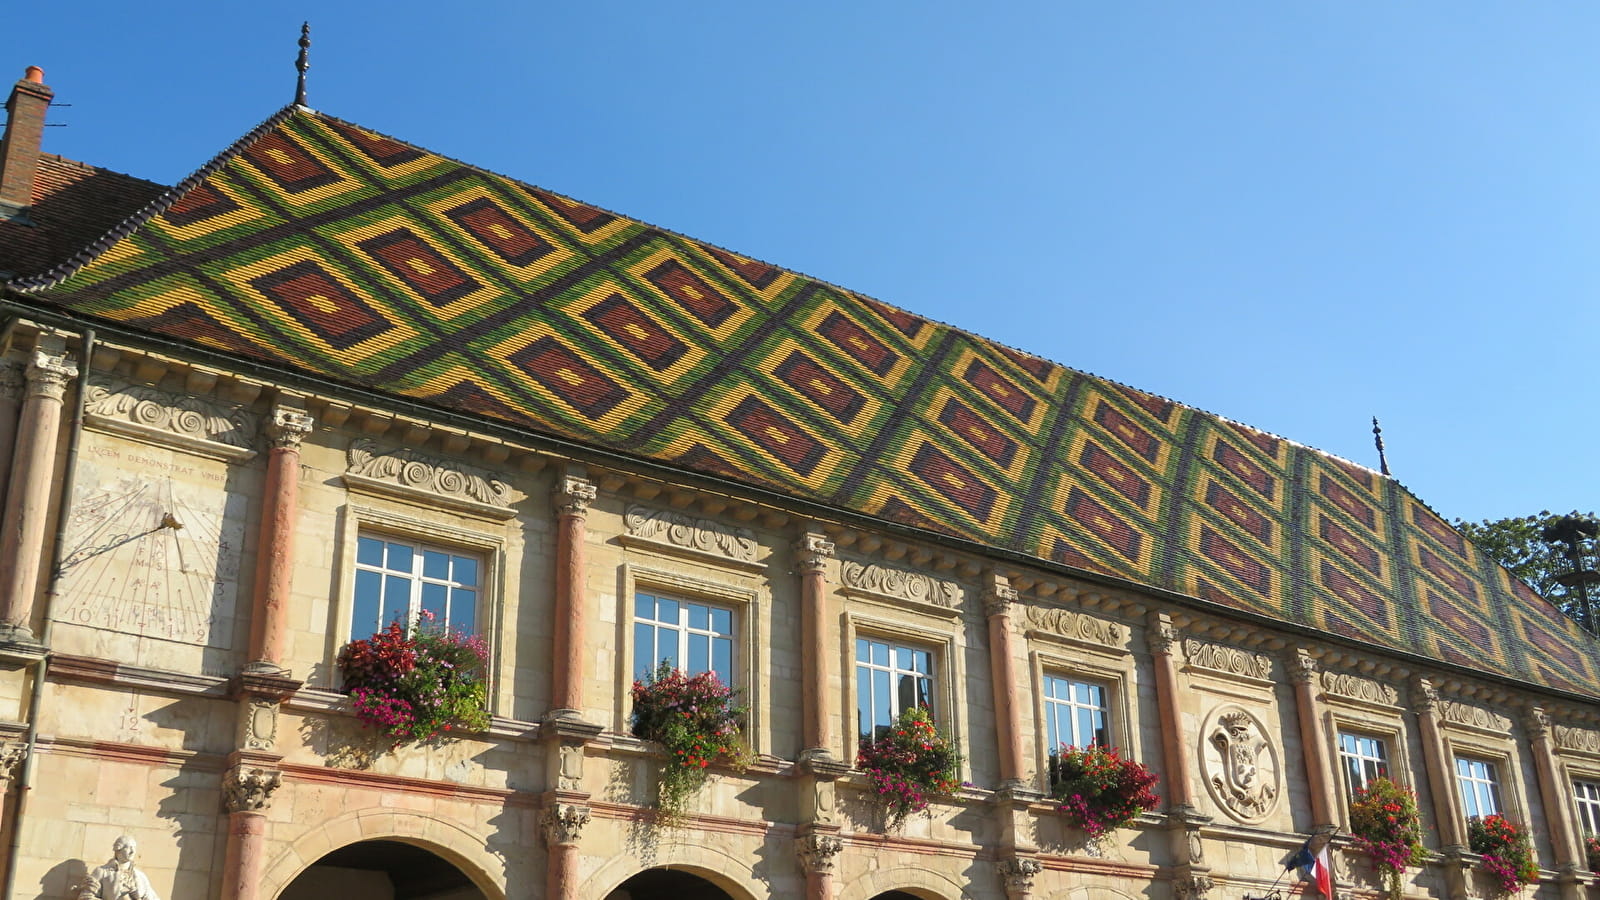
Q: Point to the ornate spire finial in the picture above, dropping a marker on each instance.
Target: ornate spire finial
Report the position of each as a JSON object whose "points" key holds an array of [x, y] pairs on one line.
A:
{"points": [[1377, 438], [303, 63]]}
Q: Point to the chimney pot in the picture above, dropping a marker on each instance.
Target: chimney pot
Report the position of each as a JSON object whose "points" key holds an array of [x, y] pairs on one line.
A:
{"points": [[34, 74]]}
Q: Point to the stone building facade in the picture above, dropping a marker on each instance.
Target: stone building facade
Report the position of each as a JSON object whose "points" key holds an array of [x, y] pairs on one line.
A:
{"points": [[331, 356]]}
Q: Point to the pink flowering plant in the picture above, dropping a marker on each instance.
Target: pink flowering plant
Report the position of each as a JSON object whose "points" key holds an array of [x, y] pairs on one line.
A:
{"points": [[1388, 827], [1506, 850], [1591, 847], [1098, 789], [698, 720], [909, 763], [416, 686]]}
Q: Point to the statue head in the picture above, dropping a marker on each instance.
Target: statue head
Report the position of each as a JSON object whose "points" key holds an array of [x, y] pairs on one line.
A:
{"points": [[124, 848]]}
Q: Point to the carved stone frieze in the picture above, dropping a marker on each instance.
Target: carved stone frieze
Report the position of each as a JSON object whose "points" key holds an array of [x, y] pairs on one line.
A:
{"points": [[249, 788], [1227, 660], [691, 533], [1240, 764], [1354, 687], [1580, 740], [818, 852], [120, 405], [900, 584], [1473, 716], [1018, 873], [563, 823], [414, 471], [1077, 626]]}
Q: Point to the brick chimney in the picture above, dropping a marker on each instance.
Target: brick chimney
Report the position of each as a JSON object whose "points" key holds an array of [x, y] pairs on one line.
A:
{"points": [[19, 152]]}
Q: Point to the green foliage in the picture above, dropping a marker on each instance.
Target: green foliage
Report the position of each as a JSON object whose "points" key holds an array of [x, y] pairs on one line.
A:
{"points": [[908, 764], [697, 719], [1388, 827], [1517, 544], [1506, 850], [415, 686], [1099, 790]]}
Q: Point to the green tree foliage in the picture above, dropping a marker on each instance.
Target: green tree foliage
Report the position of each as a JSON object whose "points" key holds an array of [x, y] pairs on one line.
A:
{"points": [[1519, 545]]}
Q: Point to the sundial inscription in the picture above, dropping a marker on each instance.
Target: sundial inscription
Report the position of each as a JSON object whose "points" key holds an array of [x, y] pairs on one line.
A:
{"points": [[153, 545]]}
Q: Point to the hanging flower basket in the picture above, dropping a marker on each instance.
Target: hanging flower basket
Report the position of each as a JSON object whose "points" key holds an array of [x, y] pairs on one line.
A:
{"points": [[1591, 847], [910, 763], [1388, 827], [1099, 790], [697, 719], [416, 687], [1506, 850]]}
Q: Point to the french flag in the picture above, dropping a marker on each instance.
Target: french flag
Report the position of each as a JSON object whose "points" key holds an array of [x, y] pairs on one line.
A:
{"points": [[1316, 867]]}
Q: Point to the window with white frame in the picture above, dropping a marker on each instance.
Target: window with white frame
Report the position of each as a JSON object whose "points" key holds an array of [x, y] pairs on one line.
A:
{"points": [[1587, 795], [399, 581], [1480, 787], [1075, 712], [685, 634], [1363, 758], [890, 678]]}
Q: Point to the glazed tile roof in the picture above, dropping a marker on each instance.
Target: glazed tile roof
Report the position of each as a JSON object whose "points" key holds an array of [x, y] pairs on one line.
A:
{"points": [[317, 245]]}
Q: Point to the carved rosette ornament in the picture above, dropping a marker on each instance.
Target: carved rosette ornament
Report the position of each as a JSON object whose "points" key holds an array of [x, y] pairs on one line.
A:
{"points": [[573, 495], [249, 788], [899, 584], [818, 852], [287, 428], [811, 554], [1580, 740], [1241, 764], [1227, 660], [1354, 687], [1018, 873], [48, 375], [563, 823]]}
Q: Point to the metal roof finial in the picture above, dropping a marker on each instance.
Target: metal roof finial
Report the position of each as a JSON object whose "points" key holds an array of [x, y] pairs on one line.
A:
{"points": [[303, 63], [1377, 438]]}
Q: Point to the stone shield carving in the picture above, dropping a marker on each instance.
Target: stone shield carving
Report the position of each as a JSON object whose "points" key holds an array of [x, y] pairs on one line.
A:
{"points": [[1240, 764]]}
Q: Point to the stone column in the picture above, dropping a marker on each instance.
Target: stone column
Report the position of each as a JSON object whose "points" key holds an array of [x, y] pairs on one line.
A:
{"points": [[563, 826], [1018, 872], [998, 596], [811, 554], [284, 431], [22, 540], [817, 851], [1442, 785], [1314, 743], [1191, 878], [573, 494], [12, 383], [247, 790], [1557, 799]]}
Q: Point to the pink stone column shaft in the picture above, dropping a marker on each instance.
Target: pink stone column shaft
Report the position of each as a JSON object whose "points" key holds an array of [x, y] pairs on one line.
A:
{"points": [[1440, 769], [1314, 743], [245, 856], [1556, 798], [1163, 639], [812, 553], [572, 498], [32, 480], [561, 878], [12, 383], [1003, 671], [819, 886], [275, 548], [563, 827]]}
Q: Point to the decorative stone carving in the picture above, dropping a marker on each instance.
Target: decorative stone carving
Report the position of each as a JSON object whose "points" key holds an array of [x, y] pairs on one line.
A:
{"points": [[122, 406], [818, 852], [1424, 696], [1472, 716], [47, 375], [563, 823], [119, 878], [998, 595], [1536, 722], [570, 776], [900, 584], [259, 726], [573, 495], [1077, 626], [1019, 872], [248, 788], [1227, 660], [11, 755], [811, 554], [1354, 687], [287, 427], [1241, 764], [415, 471], [1302, 668], [1163, 638], [1581, 740], [1192, 886], [690, 533]]}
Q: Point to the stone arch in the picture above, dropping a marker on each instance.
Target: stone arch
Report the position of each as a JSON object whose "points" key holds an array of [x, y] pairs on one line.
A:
{"points": [[1085, 892], [923, 883], [730, 873], [463, 849]]}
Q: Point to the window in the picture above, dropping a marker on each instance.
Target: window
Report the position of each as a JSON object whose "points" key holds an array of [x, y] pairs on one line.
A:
{"points": [[890, 678], [1480, 789], [694, 637], [1075, 713], [1363, 759], [1587, 796], [397, 581]]}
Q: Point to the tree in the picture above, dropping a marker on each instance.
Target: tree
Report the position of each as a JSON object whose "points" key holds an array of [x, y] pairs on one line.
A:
{"points": [[1519, 545]]}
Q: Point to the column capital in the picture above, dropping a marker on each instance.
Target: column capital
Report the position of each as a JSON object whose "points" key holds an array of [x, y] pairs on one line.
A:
{"points": [[48, 374], [247, 788], [1192, 885], [287, 427], [573, 495], [1303, 668], [12, 753], [1163, 636], [1018, 873], [563, 823], [1536, 722], [812, 552], [998, 595], [1424, 696], [817, 852]]}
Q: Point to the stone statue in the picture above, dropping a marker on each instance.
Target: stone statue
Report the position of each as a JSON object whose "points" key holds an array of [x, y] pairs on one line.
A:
{"points": [[118, 879]]}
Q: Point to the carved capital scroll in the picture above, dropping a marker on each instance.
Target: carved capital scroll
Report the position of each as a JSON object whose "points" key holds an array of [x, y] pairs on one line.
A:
{"points": [[12, 754], [1424, 696], [564, 822], [1163, 638], [573, 495], [1536, 722], [287, 427], [48, 375], [1302, 668], [691, 533], [1192, 886], [998, 596], [1018, 873], [811, 553], [249, 788], [818, 852]]}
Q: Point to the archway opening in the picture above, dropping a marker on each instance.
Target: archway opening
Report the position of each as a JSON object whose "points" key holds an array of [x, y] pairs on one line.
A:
{"points": [[668, 884], [382, 870], [896, 895]]}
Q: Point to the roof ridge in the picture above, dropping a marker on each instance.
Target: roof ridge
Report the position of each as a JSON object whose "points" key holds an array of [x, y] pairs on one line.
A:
{"points": [[66, 269]]}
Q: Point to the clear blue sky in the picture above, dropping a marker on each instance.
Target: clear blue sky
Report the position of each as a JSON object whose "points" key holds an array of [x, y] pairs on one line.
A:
{"points": [[1293, 214]]}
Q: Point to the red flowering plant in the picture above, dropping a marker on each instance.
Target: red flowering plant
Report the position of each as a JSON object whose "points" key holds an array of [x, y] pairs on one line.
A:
{"points": [[1098, 789], [697, 719], [415, 686], [1591, 847], [909, 763], [1388, 827], [1506, 850]]}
